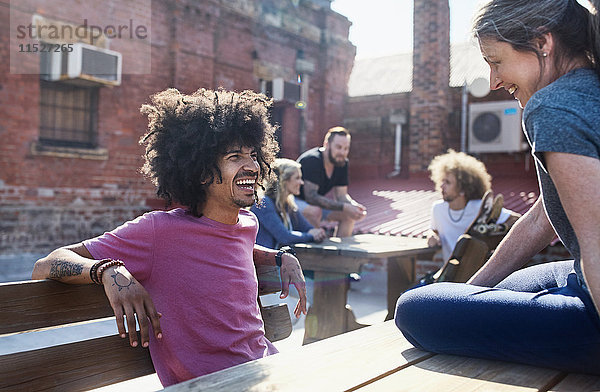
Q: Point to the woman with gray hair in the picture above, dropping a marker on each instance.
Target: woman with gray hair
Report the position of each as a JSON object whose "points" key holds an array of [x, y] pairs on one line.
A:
{"points": [[547, 54]]}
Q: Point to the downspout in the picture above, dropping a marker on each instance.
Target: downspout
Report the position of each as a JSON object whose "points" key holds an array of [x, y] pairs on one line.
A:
{"points": [[463, 118], [398, 119]]}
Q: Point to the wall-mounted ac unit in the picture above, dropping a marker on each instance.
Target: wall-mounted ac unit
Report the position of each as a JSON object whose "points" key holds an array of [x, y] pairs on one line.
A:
{"points": [[495, 127], [280, 90], [85, 63]]}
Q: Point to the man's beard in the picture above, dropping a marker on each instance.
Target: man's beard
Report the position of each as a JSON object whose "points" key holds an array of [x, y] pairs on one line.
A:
{"points": [[245, 203], [447, 198], [334, 161]]}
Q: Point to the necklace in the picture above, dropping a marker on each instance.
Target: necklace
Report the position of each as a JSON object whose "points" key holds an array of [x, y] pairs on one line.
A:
{"points": [[459, 218]]}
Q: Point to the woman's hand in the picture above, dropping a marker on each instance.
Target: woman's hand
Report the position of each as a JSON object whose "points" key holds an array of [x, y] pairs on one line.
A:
{"points": [[318, 234]]}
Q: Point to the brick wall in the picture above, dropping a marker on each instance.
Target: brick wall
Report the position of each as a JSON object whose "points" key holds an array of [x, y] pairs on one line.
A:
{"points": [[434, 121], [432, 108], [429, 100], [373, 136], [47, 200]]}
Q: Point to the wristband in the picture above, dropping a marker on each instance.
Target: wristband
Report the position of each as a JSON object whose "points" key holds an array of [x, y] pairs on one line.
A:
{"points": [[105, 266], [285, 249], [94, 270]]}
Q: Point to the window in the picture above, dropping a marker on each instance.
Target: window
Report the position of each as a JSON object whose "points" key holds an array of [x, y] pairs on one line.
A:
{"points": [[68, 115]]}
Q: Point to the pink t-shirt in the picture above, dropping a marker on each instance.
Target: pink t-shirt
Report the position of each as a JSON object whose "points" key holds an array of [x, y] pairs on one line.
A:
{"points": [[200, 274]]}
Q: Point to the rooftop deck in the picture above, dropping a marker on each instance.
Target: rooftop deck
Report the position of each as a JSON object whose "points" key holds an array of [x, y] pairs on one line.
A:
{"points": [[403, 206]]}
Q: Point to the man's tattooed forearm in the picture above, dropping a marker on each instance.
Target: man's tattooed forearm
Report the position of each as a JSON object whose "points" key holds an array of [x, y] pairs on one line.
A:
{"points": [[260, 256], [62, 268]]}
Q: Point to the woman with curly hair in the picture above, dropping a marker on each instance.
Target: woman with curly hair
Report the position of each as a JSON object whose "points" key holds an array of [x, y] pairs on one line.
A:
{"points": [[280, 221], [207, 151]]}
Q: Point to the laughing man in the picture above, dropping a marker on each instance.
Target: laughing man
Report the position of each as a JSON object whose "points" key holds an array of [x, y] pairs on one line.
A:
{"points": [[194, 265]]}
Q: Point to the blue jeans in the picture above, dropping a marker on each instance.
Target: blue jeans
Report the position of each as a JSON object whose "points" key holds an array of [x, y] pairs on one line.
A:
{"points": [[301, 204], [538, 316]]}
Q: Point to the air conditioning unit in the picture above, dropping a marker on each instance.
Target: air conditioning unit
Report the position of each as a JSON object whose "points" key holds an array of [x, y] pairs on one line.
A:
{"points": [[280, 90], [495, 127], [85, 63]]}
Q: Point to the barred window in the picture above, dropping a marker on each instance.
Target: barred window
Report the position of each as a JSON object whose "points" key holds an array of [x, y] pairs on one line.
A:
{"points": [[68, 115]]}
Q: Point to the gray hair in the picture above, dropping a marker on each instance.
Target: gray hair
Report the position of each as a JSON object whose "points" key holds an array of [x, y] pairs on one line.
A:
{"points": [[574, 28]]}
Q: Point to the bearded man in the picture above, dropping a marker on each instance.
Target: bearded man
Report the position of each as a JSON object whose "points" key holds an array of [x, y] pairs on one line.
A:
{"points": [[325, 169]]}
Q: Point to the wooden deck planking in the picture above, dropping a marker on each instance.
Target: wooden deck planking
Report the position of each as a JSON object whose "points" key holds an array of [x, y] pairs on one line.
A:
{"points": [[403, 207], [335, 364], [578, 382], [461, 374]]}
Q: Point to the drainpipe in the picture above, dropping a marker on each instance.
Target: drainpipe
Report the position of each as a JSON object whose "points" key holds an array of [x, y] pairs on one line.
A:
{"points": [[304, 82], [304, 68], [463, 118], [398, 119]]}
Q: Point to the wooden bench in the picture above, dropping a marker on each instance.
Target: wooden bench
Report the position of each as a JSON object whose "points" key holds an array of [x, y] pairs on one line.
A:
{"points": [[83, 365], [378, 358]]}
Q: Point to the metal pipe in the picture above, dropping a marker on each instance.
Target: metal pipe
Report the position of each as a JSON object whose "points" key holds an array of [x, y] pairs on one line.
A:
{"points": [[463, 118], [398, 148]]}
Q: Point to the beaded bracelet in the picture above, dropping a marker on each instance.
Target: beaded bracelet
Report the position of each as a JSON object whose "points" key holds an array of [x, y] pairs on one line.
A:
{"points": [[94, 270], [105, 266]]}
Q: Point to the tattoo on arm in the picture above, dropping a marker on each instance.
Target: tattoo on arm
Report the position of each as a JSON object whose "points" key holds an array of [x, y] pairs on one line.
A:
{"points": [[62, 268], [312, 197], [262, 257]]}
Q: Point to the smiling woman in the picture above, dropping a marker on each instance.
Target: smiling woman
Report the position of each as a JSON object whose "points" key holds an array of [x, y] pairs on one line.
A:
{"points": [[280, 221], [546, 53], [523, 55]]}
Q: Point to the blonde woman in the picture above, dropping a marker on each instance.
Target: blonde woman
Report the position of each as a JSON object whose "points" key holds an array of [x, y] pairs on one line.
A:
{"points": [[280, 221]]}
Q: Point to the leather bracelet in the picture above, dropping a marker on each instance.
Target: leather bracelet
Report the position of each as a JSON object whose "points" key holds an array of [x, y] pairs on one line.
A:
{"points": [[104, 267], [285, 249], [94, 270]]}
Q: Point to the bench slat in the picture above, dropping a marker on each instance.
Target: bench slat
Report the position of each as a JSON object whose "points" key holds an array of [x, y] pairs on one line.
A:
{"points": [[453, 373], [578, 382], [30, 305], [278, 325], [38, 304], [74, 366], [335, 364], [269, 280]]}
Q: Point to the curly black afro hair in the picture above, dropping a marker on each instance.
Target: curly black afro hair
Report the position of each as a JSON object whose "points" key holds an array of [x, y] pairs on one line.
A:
{"points": [[188, 133]]}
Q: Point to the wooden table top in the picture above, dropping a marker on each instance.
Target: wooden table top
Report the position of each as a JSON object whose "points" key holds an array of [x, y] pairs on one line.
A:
{"points": [[367, 245], [378, 358]]}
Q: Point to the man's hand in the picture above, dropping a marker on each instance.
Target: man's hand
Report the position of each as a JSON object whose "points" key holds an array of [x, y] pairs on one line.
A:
{"points": [[318, 234], [127, 297], [291, 272], [433, 240], [356, 211]]}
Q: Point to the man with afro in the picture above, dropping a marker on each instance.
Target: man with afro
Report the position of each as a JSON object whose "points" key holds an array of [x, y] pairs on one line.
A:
{"points": [[462, 181], [192, 267]]}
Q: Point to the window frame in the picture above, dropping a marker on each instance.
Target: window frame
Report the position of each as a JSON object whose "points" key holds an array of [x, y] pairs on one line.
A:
{"points": [[58, 119]]}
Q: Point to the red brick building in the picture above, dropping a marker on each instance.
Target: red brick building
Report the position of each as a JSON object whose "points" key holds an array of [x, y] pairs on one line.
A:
{"points": [[69, 152], [420, 95]]}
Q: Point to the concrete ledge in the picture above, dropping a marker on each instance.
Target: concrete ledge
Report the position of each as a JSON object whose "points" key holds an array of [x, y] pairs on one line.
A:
{"points": [[38, 148]]}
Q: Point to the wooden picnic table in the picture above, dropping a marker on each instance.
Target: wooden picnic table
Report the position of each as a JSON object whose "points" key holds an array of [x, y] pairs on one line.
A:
{"points": [[333, 259], [378, 358]]}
